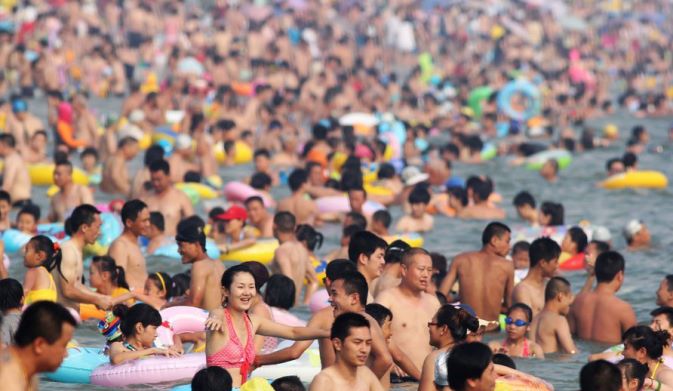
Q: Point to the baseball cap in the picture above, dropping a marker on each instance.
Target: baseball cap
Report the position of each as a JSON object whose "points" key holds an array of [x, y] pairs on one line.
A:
{"points": [[601, 233], [235, 212], [412, 175], [19, 106], [632, 227]]}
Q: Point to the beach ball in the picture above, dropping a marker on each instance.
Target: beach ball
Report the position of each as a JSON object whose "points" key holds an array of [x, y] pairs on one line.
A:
{"points": [[319, 300]]}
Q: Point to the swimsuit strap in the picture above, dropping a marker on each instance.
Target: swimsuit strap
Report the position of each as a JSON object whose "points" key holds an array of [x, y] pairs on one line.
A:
{"points": [[526, 348], [249, 349], [129, 346], [656, 367]]}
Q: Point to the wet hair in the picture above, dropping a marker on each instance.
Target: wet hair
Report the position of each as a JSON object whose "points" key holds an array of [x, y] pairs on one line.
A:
{"points": [[157, 220], [459, 193], [554, 211], [212, 378], [132, 209], [152, 154], [107, 264], [419, 195], [409, 255], [386, 171], [493, 229], [230, 273], [578, 237], [338, 267], [64, 163], [364, 242], [262, 152], [556, 286], [523, 307], [634, 369], [260, 180], [480, 188], [379, 312], [30, 209], [345, 322], [42, 319], [382, 216], [602, 247], [284, 221], [608, 264], [357, 219], [350, 230], [11, 294], [610, 162], [163, 282], [457, 320], [297, 178], [84, 214], [629, 159], [308, 234], [467, 361], [160, 165], [280, 292], [89, 151], [8, 139], [141, 313], [524, 198], [520, 246], [543, 249], [252, 199], [4, 196], [259, 272], [181, 283], [504, 360], [653, 342], [42, 243], [600, 375], [395, 251], [666, 311], [355, 282], [288, 383]]}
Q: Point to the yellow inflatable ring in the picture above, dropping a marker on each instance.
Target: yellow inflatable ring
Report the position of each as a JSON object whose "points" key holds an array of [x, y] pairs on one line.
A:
{"points": [[412, 239], [243, 153], [205, 192], [377, 190], [42, 174], [262, 251], [636, 179]]}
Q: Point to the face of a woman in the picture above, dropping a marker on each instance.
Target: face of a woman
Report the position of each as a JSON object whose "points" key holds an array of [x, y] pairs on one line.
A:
{"points": [[32, 258], [436, 332], [515, 332], [241, 292], [95, 276], [146, 335]]}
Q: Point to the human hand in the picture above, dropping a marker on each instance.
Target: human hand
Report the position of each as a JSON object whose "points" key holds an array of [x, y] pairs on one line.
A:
{"points": [[214, 322], [104, 302]]}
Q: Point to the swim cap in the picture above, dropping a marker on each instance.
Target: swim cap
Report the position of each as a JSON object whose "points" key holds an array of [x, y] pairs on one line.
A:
{"points": [[109, 327], [632, 228], [19, 106], [610, 131], [601, 233]]}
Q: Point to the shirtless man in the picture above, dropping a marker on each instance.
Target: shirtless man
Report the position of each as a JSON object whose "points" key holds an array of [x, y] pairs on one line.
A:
{"points": [[298, 203], [411, 306], [44, 332], [70, 195], [36, 149], [392, 270], [171, 202], [85, 225], [665, 292], [24, 124], [125, 249], [543, 255], [116, 179], [259, 217], [550, 328], [486, 277], [291, 257], [180, 158], [524, 203], [481, 209], [599, 315], [15, 177], [204, 290], [352, 340], [366, 250]]}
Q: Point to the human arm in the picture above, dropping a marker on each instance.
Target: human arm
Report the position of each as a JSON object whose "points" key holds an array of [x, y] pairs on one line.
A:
{"points": [[537, 350], [450, 279], [565, 338], [628, 317], [509, 286], [119, 354], [71, 286], [270, 328], [382, 359], [591, 277], [655, 384], [404, 362], [427, 380], [226, 248], [9, 175], [86, 195]]}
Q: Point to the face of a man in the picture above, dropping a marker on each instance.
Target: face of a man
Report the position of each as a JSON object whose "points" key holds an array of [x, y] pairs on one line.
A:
{"points": [[188, 251], [373, 265], [92, 230], [355, 349], [141, 225], [256, 212], [62, 175], [160, 181], [418, 273], [340, 300], [52, 355]]}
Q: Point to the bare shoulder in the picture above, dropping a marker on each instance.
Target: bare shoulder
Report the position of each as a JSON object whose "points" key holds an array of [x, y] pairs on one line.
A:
{"points": [[323, 380], [386, 295], [431, 299]]}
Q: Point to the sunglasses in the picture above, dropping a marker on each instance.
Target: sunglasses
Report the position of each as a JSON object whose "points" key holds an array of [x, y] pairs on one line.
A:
{"points": [[517, 323], [430, 324]]}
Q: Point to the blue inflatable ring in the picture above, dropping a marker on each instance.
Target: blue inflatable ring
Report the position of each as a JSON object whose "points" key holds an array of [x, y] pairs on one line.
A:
{"points": [[530, 93]]}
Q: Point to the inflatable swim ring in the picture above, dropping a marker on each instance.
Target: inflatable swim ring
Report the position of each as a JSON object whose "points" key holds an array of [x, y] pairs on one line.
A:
{"points": [[15, 240], [489, 151], [477, 96], [536, 161], [373, 190], [320, 267], [164, 133], [109, 231], [262, 251], [77, 367], [575, 262], [412, 239], [242, 153], [319, 300], [521, 384], [340, 204], [528, 91], [171, 250], [239, 192], [149, 370], [90, 311], [179, 320], [636, 179], [42, 174], [205, 192]]}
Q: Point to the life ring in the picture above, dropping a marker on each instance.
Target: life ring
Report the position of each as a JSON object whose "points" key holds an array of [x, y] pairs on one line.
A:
{"points": [[373, 190], [636, 179], [515, 383], [320, 268], [488, 152], [262, 251], [42, 174], [164, 133], [575, 262], [536, 161], [339, 204], [530, 93], [179, 320], [150, 370], [145, 141], [90, 311], [412, 239], [171, 250], [529, 234], [319, 300], [205, 192], [239, 192], [77, 367], [15, 240], [242, 153]]}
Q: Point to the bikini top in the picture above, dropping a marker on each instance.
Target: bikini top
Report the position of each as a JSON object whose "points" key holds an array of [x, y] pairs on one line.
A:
{"points": [[234, 354]]}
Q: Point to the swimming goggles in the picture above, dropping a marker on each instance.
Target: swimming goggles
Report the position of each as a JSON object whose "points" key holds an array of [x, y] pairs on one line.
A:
{"points": [[517, 323]]}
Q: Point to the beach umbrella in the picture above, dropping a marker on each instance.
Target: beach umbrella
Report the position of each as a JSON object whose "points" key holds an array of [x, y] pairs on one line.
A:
{"points": [[191, 66]]}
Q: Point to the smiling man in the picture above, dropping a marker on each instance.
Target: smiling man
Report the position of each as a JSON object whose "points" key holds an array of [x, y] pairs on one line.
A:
{"points": [[368, 251]]}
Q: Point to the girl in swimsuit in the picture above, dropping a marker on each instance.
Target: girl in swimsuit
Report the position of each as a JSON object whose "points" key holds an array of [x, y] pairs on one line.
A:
{"points": [[516, 344], [139, 330], [41, 257], [229, 341], [647, 346], [108, 278], [157, 292], [633, 374]]}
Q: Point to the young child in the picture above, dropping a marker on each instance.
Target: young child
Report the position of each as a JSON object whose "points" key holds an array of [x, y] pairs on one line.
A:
{"points": [[418, 220], [516, 344], [380, 224], [573, 245], [155, 233], [27, 218], [157, 291], [521, 260], [550, 328], [5, 208], [108, 278], [229, 230], [41, 257], [139, 330], [90, 165], [11, 302]]}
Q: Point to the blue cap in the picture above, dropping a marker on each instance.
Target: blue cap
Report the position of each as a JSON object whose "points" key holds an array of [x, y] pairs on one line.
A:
{"points": [[19, 106]]}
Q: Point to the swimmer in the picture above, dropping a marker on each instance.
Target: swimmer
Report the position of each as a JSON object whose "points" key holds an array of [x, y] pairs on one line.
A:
{"points": [[230, 231], [380, 224], [298, 203], [665, 292], [600, 375], [366, 250], [41, 257], [543, 254], [521, 258], [646, 346], [116, 178], [259, 217], [549, 171], [156, 233], [637, 235], [574, 243], [472, 368], [525, 208], [15, 176], [171, 202], [108, 279], [516, 344], [69, 196], [346, 234], [418, 220], [481, 209], [550, 327], [551, 214], [125, 250], [290, 258], [35, 151], [28, 218]]}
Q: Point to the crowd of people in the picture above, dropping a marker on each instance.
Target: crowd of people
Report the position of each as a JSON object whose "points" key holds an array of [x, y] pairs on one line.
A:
{"points": [[370, 103]]}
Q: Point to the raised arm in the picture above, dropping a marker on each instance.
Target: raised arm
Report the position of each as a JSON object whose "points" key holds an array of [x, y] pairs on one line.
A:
{"points": [[450, 279]]}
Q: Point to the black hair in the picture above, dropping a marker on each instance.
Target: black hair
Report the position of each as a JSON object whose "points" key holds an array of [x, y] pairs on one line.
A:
{"points": [[4, 196], [11, 294], [284, 221], [152, 154], [379, 312], [556, 286], [163, 282], [355, 282], [192, 176], [520, 246], [338, 267], [211, 379], [493, 229], [386, 171], [457, 320], [117, 273], [653, 342], [543, 249], [459, 193], [260, 273], [280, 292], [82, 215], [53, 256], [8, 139], [396, 250], [467, 361], [30, 209], [297, 178], [634, 369], [181, 284], [260, 180], [602, 247], [357, 219], [157, 220], [131, 210], [345, 322], [608, 264], [350, 230], [306, 233], [524, 198], [554, 211], [504, 360], [288, 383], [629, 159], [160, 165], [216, 211], [42, 319], [63, 162], [90, 151], [578, 237], [262, 152], [523, 307], [141, 313], [383, 216], [667, 311], [481, 189], [252, 199], [230, 273], [126, 141], [364, 242], [419, 195], [439, 266]]}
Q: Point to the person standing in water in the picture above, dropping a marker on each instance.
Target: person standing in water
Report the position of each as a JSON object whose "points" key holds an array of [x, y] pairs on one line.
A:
{"points": [[125, 249], [543, 254], [171, 202], [69, 196], [15, 176], [291, 257]]}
